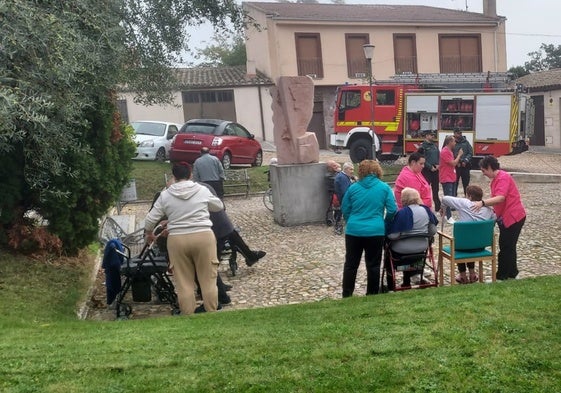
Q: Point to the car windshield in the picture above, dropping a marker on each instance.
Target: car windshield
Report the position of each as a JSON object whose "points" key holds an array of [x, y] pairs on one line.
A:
{"points": [[198, 128], [156, 129]]}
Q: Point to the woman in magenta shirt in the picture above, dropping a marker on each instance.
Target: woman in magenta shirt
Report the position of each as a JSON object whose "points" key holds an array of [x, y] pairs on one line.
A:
{"points": [[511, 215], [447, 170], [411, 176]]}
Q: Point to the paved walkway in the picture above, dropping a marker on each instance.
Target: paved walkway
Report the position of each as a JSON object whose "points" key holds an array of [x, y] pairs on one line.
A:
{"points": [[304, 263]]}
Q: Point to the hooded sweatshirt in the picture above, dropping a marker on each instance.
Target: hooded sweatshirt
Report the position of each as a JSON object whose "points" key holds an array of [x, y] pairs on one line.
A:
{"points": [[186, 205], [366, 205]]}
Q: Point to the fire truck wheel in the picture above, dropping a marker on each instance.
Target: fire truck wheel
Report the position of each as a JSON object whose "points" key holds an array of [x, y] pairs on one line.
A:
{"points": [[361, 149]]}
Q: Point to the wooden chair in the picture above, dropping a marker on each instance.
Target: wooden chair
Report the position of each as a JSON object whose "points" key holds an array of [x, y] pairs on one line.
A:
{"points": [[472, 241]]}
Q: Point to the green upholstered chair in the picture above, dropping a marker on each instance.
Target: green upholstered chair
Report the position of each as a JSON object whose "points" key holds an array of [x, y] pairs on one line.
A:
{"points": [[471, 241]]}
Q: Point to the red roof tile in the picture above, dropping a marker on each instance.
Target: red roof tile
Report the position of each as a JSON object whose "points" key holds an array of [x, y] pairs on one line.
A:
{"points": [[370, 13], [220, 77], [543, 80]]}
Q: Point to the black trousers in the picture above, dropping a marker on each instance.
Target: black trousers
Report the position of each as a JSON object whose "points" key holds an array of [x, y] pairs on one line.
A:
{"points": [[236, 242], [432, 179], [354, 247], [218, 186], [463, 174], [508, 237]]}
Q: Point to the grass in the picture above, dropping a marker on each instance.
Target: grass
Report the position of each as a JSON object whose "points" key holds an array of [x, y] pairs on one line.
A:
{"points": [[485, 338], [150, 178]]}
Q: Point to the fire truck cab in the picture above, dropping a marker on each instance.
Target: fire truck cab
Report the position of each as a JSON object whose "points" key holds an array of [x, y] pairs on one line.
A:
{"points": [[494, 117]]}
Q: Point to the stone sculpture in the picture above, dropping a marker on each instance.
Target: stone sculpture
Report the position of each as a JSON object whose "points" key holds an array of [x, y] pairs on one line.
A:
{"points": [[293, 101]]}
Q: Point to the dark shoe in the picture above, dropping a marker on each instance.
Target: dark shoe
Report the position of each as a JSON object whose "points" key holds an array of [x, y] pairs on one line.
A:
{"points": [[224, 299], [201, 308], [258, 256]]}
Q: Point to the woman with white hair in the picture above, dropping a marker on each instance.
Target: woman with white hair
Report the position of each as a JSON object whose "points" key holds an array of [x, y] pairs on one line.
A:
{"points": [[413, 218]]}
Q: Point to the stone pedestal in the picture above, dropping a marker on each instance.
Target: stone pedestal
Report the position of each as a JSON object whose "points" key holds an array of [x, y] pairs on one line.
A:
{"points": [[299, 193]]}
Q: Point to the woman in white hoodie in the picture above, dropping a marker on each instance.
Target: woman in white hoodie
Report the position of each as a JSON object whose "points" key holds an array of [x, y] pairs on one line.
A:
{"points": [[191, 243]]}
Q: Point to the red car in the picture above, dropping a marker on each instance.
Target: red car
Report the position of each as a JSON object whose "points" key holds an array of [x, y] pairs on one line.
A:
{"points": [[227, 140]]}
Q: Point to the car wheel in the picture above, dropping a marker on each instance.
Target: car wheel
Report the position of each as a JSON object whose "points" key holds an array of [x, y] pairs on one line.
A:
{"points": [[161, 154], [227, 161], [258, 159]]}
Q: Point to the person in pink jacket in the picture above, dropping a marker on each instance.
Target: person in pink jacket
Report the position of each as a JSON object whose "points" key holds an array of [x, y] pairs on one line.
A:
{"points": [[447, 170], [511, 215], [411, 176]]}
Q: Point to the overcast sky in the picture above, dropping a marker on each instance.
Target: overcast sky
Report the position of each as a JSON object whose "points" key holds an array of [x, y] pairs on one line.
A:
{"points": [[529, 23]]}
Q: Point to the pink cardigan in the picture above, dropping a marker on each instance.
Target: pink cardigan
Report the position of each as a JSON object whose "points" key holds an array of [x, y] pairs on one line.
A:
{"points": [[511, 210], [408, 178], [446, 170]]}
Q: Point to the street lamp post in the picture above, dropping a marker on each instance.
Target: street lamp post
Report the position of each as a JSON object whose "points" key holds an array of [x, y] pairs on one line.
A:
{"points": [[369, 55]]}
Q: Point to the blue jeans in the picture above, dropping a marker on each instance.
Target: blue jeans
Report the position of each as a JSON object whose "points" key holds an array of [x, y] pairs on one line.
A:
{"points": [[449, 189]]}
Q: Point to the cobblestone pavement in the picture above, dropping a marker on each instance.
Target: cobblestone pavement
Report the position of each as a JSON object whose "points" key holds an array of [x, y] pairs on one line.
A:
{"points": [[305, 263]]}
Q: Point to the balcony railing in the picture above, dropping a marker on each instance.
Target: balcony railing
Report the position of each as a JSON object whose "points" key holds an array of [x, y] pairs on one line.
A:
{"points": [[460, 64], [311, 67], [406, 64], [357, 68]]}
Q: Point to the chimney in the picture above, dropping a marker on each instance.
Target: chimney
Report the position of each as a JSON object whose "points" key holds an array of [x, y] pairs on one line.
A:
{"points": [[251, 71], [490, 8]]}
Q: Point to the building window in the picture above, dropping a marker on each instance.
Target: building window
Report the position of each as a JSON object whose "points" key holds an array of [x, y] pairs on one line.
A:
{"points": [[405, 53], [191, 97], [308, 55], [123, 110], [194, 97], [225, 96], [460, 53], [356, 63], [385, 97]]}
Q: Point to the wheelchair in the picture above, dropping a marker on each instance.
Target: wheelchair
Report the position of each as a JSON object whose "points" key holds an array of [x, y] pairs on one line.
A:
{"points": [[409, 255]]}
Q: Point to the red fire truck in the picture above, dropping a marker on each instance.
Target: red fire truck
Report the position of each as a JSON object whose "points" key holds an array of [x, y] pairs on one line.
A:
{"points": [[496, 117]]}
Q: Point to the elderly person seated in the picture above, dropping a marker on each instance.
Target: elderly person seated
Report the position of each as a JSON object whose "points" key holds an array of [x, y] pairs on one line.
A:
{"points": [[412, 219]]}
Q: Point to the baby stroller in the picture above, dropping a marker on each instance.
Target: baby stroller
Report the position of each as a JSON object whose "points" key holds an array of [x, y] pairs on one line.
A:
{"points": [[142, 274], [409, 255]]}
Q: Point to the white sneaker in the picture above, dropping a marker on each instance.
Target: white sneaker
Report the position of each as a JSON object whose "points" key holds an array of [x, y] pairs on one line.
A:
{"points": [[451, 221]]}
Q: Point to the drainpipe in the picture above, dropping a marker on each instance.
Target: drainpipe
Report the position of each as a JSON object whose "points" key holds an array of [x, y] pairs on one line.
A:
{"points": [[496, 54], [261, 112]]}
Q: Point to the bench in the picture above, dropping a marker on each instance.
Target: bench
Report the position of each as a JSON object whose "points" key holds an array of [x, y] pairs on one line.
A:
{"points": [[236, 182]]}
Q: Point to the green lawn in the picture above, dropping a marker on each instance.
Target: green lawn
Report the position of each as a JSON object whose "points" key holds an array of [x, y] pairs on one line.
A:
{"points": [[502, 337], [150, 177]]}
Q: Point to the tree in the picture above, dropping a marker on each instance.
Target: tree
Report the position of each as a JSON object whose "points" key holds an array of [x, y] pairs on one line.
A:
{"points": [[546, 58], [518, 71], [225, 50], [63, 150]]}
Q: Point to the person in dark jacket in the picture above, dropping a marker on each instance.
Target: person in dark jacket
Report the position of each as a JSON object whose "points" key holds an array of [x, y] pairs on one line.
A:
{"points": [[464, 165], [429, 149], [343, 181], [111, 264], [225, 231]]}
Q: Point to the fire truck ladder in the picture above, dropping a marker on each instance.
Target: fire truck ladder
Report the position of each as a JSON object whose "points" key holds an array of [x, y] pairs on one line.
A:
{"points": [[485, 80]]}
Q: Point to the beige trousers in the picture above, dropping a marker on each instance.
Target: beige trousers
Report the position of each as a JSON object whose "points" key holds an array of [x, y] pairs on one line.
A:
{"points": [[190, 254]]}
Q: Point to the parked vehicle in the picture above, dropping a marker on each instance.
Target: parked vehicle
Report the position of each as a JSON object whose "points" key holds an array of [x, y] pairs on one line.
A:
{"points": [[153, 139], [227, 140], [494, 116]]}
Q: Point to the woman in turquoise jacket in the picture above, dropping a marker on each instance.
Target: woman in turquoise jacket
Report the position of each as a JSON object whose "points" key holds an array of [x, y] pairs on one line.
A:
{"points": [[367, 205]]}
